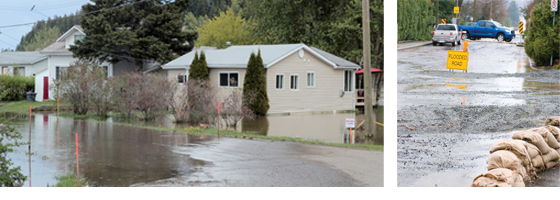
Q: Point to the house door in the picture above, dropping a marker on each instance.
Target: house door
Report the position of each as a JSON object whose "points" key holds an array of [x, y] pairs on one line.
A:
{"points": [[46, 88]]}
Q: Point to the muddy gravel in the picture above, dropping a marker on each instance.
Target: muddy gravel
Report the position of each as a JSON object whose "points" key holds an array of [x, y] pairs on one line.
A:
{"points": [[447, 120]]}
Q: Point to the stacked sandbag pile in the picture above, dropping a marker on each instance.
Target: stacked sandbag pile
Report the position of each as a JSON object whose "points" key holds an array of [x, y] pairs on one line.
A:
{"points": [[512, 162]]}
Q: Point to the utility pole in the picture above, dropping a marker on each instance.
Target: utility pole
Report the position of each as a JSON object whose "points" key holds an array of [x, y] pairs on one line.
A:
{"points": [[368, 106], [491, 10], [437, 12], [474, 11]]}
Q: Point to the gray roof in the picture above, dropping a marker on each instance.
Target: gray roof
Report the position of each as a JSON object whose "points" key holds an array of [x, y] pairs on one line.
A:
{"points": [[238, 56], [57, 47], [21, 58]]}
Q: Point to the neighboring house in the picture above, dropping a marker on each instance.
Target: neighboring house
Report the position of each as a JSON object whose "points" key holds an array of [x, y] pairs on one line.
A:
{"points": [[59, 59], [175, 69], [26, 63], [299, 78]]}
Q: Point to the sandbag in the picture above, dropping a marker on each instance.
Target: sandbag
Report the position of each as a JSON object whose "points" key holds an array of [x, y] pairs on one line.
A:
{"points": [[532, 150], [538, 164], [554, 121], [481, 181], [551, 164], [496, 178], [552, 155], [555, 131], [533, 138], [515, 146], [550, 140], [508, 160]]}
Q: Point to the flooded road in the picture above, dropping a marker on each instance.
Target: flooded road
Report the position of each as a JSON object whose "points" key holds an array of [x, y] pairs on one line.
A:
{"points": [[447, 120], [115, 155]]}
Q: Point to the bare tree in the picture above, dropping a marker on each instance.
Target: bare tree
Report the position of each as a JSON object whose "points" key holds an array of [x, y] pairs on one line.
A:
{"points": [[233, 109]]}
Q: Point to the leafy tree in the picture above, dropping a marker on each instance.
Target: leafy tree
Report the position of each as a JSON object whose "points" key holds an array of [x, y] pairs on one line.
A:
{"points": [[228, 26], [63, 23], [543, 40], [9, 176], [199, 67], [133, 30], [192, 22], [254, 86]]}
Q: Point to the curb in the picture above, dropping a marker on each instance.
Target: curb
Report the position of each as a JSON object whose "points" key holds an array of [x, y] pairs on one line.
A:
{"points": [[418, 45]]}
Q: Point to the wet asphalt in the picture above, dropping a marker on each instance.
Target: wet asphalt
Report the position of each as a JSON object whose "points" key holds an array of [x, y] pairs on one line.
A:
{"points": [[447, 120]]}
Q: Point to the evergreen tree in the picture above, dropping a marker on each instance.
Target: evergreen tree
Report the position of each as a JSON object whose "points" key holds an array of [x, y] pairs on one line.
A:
{"points": [[203, 67], [133, 30], [193, 69], [254, 86]]}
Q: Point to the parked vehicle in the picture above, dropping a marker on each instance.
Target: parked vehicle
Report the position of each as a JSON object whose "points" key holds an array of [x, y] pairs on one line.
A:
{"points": [[446, 33], [488, 29]]}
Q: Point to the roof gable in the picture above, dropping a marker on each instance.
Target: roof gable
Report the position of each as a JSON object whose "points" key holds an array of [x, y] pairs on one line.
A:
{"points": [[75, 28]]}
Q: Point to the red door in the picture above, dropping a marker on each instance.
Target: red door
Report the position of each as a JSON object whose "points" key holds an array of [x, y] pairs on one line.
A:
{"points": [[46, 88]]}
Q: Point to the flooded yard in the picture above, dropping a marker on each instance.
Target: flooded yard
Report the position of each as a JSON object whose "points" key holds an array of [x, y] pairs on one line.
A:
{"points": [[118, 155]]}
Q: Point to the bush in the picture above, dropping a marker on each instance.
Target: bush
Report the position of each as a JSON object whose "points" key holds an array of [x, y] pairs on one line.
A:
{"points": [[233, 110], [79, 85], [415, 19], [543, 40], [13, 88], [9, 177], [202, 101], [255, 84]]}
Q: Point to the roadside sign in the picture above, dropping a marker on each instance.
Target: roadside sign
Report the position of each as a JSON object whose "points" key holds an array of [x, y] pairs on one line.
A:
{"points": [[349, 122], [457, 60], [456, 10], [443, 21], [554, 5], [520, 27]]}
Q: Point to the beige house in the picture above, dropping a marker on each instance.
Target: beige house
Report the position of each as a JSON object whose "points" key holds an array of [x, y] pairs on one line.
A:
{"points": [[299, 78]]}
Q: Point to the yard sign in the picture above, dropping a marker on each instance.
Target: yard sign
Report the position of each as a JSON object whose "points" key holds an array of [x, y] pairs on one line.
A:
{"points": [[554, 5], [456, 10], [349, 122], [457, 60]]}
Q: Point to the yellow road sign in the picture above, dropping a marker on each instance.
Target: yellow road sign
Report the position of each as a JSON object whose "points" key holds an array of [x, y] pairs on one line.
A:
{"points": [[457, 60], [456, 10], [443, 21], [520, 27]]}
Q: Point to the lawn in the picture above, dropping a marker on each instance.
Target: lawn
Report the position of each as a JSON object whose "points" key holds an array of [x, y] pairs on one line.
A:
{"points": [[21, 107]]}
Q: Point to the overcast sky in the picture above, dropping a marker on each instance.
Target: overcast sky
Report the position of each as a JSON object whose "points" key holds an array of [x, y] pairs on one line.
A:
{"points": [[19, 12]]}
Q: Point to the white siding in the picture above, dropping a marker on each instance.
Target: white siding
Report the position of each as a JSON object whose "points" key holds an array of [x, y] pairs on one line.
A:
{"points": [[223, 92], [325, 96]]}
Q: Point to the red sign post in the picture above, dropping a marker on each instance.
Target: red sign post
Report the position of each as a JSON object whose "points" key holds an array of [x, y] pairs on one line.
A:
{"points": [[219, 119], [77, 161]]}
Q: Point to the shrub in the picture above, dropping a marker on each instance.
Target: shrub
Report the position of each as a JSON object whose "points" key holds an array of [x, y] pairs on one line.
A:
{"points": [[199, 67], [202, 101], [14, 88], [255, 84], [79, 84], [543, 39], [9, 176], [233, 110]]}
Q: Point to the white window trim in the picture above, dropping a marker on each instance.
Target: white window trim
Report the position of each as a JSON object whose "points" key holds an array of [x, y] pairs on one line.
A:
{"points": [[314, 79], [351, 82], [283, 82], [297, 82], [184, 79], [229, 72]]}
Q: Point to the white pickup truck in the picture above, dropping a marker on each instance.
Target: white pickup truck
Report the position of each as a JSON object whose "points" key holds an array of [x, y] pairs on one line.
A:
{"points": [[446, 33]]}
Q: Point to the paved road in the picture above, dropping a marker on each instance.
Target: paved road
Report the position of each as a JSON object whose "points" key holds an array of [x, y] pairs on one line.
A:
{"points": [[447, 121], [241, 162]]}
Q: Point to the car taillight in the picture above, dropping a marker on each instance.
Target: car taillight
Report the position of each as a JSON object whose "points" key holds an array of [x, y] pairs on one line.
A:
{"points": [[450, 33]]}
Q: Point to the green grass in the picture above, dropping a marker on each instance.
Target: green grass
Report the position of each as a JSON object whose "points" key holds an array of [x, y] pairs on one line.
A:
{"points": [[21, 107], [69, 180], [248, 135]]}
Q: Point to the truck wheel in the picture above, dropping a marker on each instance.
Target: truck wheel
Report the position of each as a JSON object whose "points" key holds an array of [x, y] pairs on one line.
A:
{"points": [[500, 37], [434, 43], [453, 43], [459, 42], [508, 40], [466, 36]]}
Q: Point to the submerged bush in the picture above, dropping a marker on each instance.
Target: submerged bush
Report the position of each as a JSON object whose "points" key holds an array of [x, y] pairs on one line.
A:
{"points": [[13, 88], [9, 176]]}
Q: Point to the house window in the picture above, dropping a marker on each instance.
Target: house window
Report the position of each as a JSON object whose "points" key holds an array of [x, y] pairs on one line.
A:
{"points": [[19, 71], [5, 70], [280, 81], [106, 71], [60, 71], [181, 79], [229, 79], [348, 80], [294, 82], [78, 37], [310, 79]]}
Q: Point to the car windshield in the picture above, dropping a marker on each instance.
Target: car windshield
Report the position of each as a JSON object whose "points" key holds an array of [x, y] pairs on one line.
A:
{"points": [[442, 27], [498, 24]]}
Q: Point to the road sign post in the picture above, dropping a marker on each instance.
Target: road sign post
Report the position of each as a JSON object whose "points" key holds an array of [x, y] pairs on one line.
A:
{"points": [[350, 124], [553, 7], [457, 60]]}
